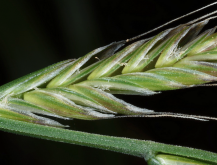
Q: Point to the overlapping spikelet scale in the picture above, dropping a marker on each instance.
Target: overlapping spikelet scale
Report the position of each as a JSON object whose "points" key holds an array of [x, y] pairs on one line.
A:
{"points": [[176, 58]]}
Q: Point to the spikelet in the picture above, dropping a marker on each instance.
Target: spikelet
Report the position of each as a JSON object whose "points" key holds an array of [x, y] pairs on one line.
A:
{"points": [[177, 58]]}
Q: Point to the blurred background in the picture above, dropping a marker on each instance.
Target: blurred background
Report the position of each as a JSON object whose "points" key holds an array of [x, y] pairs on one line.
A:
{"points": [[38, 33]]}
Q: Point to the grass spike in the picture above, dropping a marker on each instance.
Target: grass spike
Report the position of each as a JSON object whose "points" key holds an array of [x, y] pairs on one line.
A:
{"points": [[177, 58], [87, 94]]}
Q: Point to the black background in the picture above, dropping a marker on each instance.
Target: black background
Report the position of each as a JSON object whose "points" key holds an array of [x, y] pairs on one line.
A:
{"points": [[37, 33]]}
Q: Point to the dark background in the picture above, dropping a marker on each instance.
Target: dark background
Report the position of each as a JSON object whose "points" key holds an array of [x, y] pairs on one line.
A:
{"points": [[37, 33]]}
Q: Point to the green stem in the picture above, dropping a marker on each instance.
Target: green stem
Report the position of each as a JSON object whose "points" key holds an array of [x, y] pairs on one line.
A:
{"points": [[140, 148]]}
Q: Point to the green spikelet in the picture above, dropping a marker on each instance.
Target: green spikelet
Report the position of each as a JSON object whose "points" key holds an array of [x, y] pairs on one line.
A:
{"points": [[176, 58]]}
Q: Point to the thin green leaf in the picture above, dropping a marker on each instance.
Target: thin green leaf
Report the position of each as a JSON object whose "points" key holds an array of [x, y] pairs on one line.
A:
{"points": [[140, 148]]}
